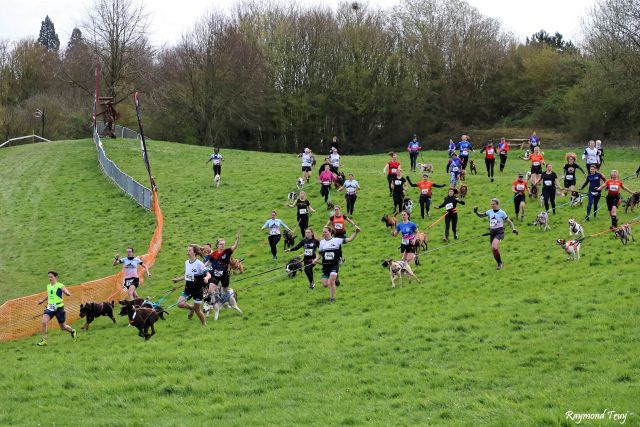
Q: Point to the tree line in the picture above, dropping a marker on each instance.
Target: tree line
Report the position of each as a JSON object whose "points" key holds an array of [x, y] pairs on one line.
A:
{"points": [[281, 77]]}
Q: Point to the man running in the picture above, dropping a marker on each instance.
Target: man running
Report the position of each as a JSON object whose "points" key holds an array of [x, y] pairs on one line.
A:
{"points": [[414, 148], [519, 187], [497, 218], [329, 251], [593, 180], [425, 192], [55, 307], [130, 268]]}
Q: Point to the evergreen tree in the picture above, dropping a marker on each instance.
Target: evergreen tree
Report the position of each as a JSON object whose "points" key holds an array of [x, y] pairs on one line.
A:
{"points": [[48, 37], [75, 39]]}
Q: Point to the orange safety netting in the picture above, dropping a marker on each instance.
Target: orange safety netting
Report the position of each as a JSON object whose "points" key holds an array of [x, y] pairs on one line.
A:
{"points": [[22, 317]]}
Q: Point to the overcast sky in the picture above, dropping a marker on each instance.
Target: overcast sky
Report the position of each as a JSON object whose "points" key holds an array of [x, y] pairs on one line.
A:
{"points": [[171, 18]]}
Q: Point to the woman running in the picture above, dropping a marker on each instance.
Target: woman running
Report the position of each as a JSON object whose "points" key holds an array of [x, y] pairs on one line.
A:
{"points": [[337, 223], [352, 187], [391, 169], [310, 245], [534, 141], [489, 158], [464, 146], [326, 179], [217, 161], [219, 262], [334, 159], [55, 307], [425, 192], [274, 225], [307, 160], [537, 161], [130, 268], [497, 218], [549, 186], [407, 230], [329, 250], [600, 153], [452, 147], [303, 207], [570, 169], [590, 155], [451, 216], [594, 179], [519, 187], [454, 166], [398, 187], [195, 276], [503, 149], [414, 148], [614, 185]]}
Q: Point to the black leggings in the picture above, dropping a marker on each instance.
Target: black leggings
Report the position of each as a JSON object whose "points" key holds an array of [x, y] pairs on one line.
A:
{"points": [[413, 158], [425, 202], [503, 161], [516, 201], [490, 163], [390, 178], [464, 160], [351, 202], [450, 218], [303, 222], [549, 195], [308, 269], [273, 243], [397, 202], [593, 201], [324, 191], [217, 169]]}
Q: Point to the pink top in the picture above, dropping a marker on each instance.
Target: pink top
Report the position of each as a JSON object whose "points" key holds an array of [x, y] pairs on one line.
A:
{"points": [[326, 177]]}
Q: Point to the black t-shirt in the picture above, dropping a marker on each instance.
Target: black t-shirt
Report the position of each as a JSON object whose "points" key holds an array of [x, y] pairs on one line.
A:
{"points": [[450, 203], [310, 246], [302, 208], [398, 185], [570, 171], [321, 168], [549, 180]]}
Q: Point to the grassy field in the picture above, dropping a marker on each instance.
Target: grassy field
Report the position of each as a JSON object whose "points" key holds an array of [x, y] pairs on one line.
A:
{"points": [[468, 345]]}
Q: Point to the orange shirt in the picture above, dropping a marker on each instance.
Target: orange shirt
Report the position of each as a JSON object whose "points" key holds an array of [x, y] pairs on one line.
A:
{"points": [[338, 224], [536, 159], [425, 187], [393, 167], [614, 186], [520, 186]]}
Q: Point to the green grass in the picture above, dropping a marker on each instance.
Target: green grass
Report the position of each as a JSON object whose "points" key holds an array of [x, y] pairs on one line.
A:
{"points": [[468, 345]]}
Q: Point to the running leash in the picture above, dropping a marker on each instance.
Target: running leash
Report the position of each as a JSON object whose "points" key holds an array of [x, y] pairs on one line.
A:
{"points": [[433, 224]]}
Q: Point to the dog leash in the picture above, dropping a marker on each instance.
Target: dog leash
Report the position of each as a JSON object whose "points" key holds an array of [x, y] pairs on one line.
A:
{"points": [[433, 224]]}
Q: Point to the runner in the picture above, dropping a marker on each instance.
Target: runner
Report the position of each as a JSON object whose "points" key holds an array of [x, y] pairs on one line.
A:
{"points": [[351, 195], [519, 187], [614, 185], [451, 217], [337, 223], [217, 161], [398, 187], [323, 166], [407, 230], [303, 207], [464, 146], [274, 225], [326, 179], [594, 179], [489, 158], [537, 161], [497, 217], [55, 307], [590, 155], [452, 147], [310, 245], [307, 159], [534, 141], [391, 169], [196, 277], [570, 169], [334, 159], [414, 148], [454, 166], [503, 149], [425, 192], [219, 263], [600, 153], [549, 185], [130, 268], [329, 251]]}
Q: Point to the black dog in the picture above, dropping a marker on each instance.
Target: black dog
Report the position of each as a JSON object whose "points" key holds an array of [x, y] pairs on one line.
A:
{"points": [[142, 318], [293, 266], [92, 310], [289, 240], [139, 302], [340, 179]]}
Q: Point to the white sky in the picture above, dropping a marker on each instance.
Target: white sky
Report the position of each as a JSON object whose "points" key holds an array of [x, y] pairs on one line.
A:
{"points": [[171, 18]]}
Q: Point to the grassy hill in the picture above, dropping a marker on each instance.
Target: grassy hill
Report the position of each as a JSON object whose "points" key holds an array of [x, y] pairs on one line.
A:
{"points": [[467, 345]]}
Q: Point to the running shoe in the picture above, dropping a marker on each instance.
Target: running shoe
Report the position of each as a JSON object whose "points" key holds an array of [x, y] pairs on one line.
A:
{"points": [[190, 315], [332, 300], [42, 343], [312, 285], [74, 334], [499, 266]]}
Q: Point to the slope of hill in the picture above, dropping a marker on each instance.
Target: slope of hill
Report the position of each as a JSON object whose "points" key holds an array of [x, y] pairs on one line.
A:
{"points": [[468, 344]]}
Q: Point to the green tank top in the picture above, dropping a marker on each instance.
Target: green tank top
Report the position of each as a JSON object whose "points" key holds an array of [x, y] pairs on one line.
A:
{"points": [[54, 295]]}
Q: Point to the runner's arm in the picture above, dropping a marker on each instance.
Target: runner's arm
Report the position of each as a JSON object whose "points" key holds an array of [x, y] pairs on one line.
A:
{"points": [[235, 245], [353, 236], [479, 215]]}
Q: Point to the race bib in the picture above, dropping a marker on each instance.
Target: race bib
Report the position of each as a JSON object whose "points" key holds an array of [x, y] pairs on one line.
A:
{"points": [[448, 206], [503, 152], [454, 169], [128, 282], [613, 187], [425, 192], [490, 151], [547, 183], [274, 230], [52, 307], [218, 273], [216, 161], [536, 163], [406, 241], [326, 182], [329, 256], [595, 193], [519, 187], [493, 222], [351, 190], [302, 211], [338, 226], [569, 177], [188, 277], [308, 252], [394, 170], [465, 152], [397, 182]]}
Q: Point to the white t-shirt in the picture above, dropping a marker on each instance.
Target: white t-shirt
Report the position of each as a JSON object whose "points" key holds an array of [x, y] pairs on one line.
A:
{"points": [[216, 158], [334, 159], [351, 185], [329, 250], [590, 156], [306, 159], [130, 267], [193, 269]]}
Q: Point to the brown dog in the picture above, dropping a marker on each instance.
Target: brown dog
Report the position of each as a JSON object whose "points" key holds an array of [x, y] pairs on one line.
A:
{"points": [[390, 221], [462, 191], [632, 202], [235, 266], [397, 269], [142, 318], [421, 240]]}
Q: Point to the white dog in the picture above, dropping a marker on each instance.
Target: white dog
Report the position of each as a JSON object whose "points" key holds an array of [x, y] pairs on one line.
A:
{"points": [[397, 269], [216, 180], [542, 221], [571, 247], [576, 199], [221, 298], [575, 228], [300, 183]]}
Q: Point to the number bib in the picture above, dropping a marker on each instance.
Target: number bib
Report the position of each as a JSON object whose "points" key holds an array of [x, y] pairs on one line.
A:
{"points": [[302, 211], [406, 241], [216, 162], [338, 226], [569, 177], [465, 152], [536, 163], [490, 151], [351, 191], [493, 222], [273, 231], [189, 277], [326, 182], [425, 192], [547, 183], [218, 273], [394, 170], [308, 252], [329, 256], [519, 187], [454, 169], [614, 188], [52, 307], [397, 182], [448, 206]]}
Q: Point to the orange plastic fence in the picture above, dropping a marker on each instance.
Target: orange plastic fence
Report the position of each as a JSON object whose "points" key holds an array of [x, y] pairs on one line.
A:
{"points": [[22, 317]]}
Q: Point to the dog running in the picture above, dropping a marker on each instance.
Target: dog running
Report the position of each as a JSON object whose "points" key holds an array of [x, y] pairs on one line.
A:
{"points": [[542, 221], [91, 310], [571, 248], [390, 221], [624, 234], [221, 297], [575, 228], [397, 269]]}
